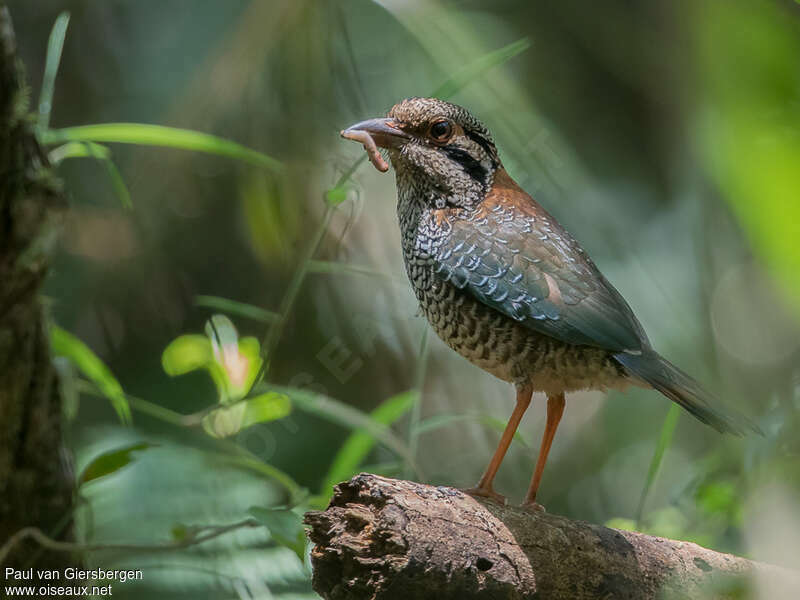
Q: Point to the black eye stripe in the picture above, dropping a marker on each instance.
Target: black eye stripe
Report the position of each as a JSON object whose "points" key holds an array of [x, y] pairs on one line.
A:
{"points": [[483, 143], [471, 167]]}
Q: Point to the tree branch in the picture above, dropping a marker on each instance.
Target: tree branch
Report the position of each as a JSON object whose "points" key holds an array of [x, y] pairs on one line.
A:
{"points": [[202, 534], [36, 485], [385, 539]]}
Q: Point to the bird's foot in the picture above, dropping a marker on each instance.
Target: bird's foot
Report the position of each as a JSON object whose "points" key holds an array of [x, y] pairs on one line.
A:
{"points": [[485, 493], [533, 507]]}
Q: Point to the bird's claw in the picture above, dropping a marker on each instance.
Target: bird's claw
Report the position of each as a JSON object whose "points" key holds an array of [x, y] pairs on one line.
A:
{"points": [[486, 493], [533, 507]]}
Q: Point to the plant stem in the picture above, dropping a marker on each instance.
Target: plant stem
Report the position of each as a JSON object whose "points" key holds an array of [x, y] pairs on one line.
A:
{"points": [[419, 381], [275, 331]]}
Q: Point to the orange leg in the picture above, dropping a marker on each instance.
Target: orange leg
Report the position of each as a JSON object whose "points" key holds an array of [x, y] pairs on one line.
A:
{"points": [[555, 408], [484, 487]]}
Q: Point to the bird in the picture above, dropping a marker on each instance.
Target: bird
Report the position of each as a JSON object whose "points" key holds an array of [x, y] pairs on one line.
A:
{"points": [[505, 285]]}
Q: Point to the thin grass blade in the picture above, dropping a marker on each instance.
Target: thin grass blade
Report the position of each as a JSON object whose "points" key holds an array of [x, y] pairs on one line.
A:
{"points": [[159, 135], [664, 441], [234, 307], [55, 45], [478, 67], [360, 443], [346, 416]]}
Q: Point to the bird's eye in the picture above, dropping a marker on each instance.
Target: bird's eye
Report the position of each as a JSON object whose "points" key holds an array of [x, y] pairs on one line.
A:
{"points": [[441, 131]]}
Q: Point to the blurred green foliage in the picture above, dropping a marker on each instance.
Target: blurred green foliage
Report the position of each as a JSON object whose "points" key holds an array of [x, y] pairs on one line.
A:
{"points": [[664, 135], [749, 124]]}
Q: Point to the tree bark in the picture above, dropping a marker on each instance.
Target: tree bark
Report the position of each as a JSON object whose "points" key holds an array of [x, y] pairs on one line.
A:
{"points": [[385, 539], [35, 486]]}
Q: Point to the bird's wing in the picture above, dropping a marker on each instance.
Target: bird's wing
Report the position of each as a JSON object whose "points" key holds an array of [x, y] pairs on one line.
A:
{"points": [[514, 257]]}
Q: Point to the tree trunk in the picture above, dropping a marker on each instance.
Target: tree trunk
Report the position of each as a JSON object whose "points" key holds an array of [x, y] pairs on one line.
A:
{"points": [[385, 539], [35, 487]]}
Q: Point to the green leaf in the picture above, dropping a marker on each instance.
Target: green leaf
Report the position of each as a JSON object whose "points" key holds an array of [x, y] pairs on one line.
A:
{"points": [[100, 153], [112, 461], [78, 150], [230, 420], [717, 497], [347, 416], [186, 353], [264, 408], [478, 67], [179, 532], [285, 527], [234, 307], [360, 443], [65, 344], [55, 45], [664, 440], [118, 183], [747, 126], [158, 135], [335, 196]]}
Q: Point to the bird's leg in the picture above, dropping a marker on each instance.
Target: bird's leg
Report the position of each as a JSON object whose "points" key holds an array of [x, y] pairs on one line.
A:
{"points": [[555, 408], [484, 487]]}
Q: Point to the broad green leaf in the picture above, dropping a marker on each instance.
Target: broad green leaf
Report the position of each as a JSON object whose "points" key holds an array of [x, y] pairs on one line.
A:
{"points": [[360, 443], [234, 307], [285, 527], [478, 67], [230, 420], [186, 353], [664, 440], [65, 344], [159, 135], [112, 461], [55, 45]]}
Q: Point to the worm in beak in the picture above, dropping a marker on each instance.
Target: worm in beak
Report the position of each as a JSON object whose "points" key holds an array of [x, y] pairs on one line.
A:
{"points": [[374, 133]]}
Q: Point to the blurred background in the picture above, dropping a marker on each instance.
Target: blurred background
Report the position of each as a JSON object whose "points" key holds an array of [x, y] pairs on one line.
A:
{"points": [[664, 135]]}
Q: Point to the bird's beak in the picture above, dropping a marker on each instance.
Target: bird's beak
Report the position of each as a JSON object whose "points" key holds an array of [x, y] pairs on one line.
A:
{"points": [[384, 132]]}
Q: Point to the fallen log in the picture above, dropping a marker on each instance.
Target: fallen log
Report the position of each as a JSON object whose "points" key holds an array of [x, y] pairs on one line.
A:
{"points": [[384, 539]]}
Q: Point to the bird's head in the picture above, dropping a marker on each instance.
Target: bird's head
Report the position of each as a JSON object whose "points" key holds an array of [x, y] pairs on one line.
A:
{"points": [[441, 153]]}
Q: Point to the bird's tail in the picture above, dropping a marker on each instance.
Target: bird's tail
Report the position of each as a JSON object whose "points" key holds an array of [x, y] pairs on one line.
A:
{"points": [[682, 389]]}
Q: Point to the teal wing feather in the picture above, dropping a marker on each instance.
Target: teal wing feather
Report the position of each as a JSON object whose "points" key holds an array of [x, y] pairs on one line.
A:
{"points": [[515, 258]]}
